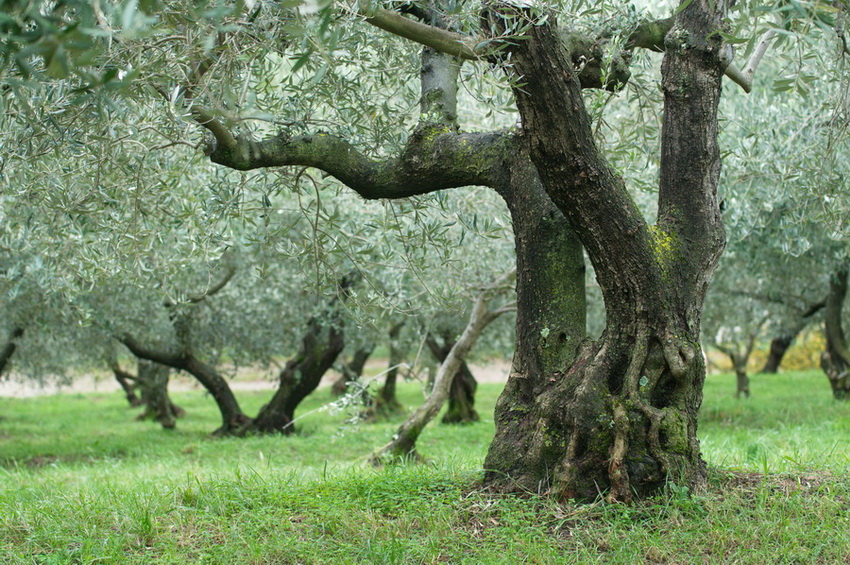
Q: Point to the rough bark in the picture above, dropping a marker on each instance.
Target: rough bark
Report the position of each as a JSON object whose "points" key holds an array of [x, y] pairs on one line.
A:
{"points": [[153, 383], [780, 344], [183, 358], [353, 370], [461, 408], [403, 443], [10, 347], [622, 418], [835, 361]]}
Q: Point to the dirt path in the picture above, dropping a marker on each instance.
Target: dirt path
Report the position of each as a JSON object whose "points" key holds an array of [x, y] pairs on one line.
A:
{"points": [[494, 371]]}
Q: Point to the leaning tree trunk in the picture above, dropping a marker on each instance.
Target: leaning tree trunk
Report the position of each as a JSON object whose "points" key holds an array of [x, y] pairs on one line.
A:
{"points": [[779, 346], [403, 444], [10, 347], [153, 382], [835, 361], [127, 381], [461, 408], [353, 370], [232, 416], [320, 347], [622, 417]]}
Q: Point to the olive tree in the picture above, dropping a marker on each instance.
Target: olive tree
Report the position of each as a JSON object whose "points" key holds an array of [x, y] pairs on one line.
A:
{"points": [[281, 86]]}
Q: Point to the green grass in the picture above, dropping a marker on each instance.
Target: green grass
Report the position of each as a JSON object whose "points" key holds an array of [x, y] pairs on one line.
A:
{"points": [[81, 482]]}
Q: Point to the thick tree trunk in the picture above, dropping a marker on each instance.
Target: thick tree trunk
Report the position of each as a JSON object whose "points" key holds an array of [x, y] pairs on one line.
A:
{"points": [[622, 418], [10, 347], [153, 382], [353, 370], [461, 408], [320, 347], [835, 361]]}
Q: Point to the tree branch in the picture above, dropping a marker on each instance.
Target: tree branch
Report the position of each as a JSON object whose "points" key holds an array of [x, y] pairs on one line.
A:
{"points": [[448, 42], [744, 77], [434, 159], [171, 359], [212, 291]]}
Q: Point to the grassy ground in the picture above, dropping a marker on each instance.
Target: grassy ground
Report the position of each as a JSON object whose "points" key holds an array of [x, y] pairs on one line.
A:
{"points": [[81, 482]]}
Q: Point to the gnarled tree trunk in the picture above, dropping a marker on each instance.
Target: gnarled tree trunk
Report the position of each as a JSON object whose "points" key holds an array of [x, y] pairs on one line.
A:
{"points": [[320, 347], [232, 416], [622, 417], [835, 361]]}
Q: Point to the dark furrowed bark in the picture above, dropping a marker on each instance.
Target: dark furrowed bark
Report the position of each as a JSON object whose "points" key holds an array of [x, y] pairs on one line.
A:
{"points": [[320, 346], [622, 417]]}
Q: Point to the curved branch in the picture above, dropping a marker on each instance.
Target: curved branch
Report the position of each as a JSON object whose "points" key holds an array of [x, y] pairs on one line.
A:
{"points": [[434, 159], [744, 77], [160, 356], [448, 42], [215, 289]]}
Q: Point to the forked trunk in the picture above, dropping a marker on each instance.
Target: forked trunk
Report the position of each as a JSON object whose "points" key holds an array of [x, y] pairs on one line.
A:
{"points": [[621, 417], [233, 419], [127, 381], [835, 361]]}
